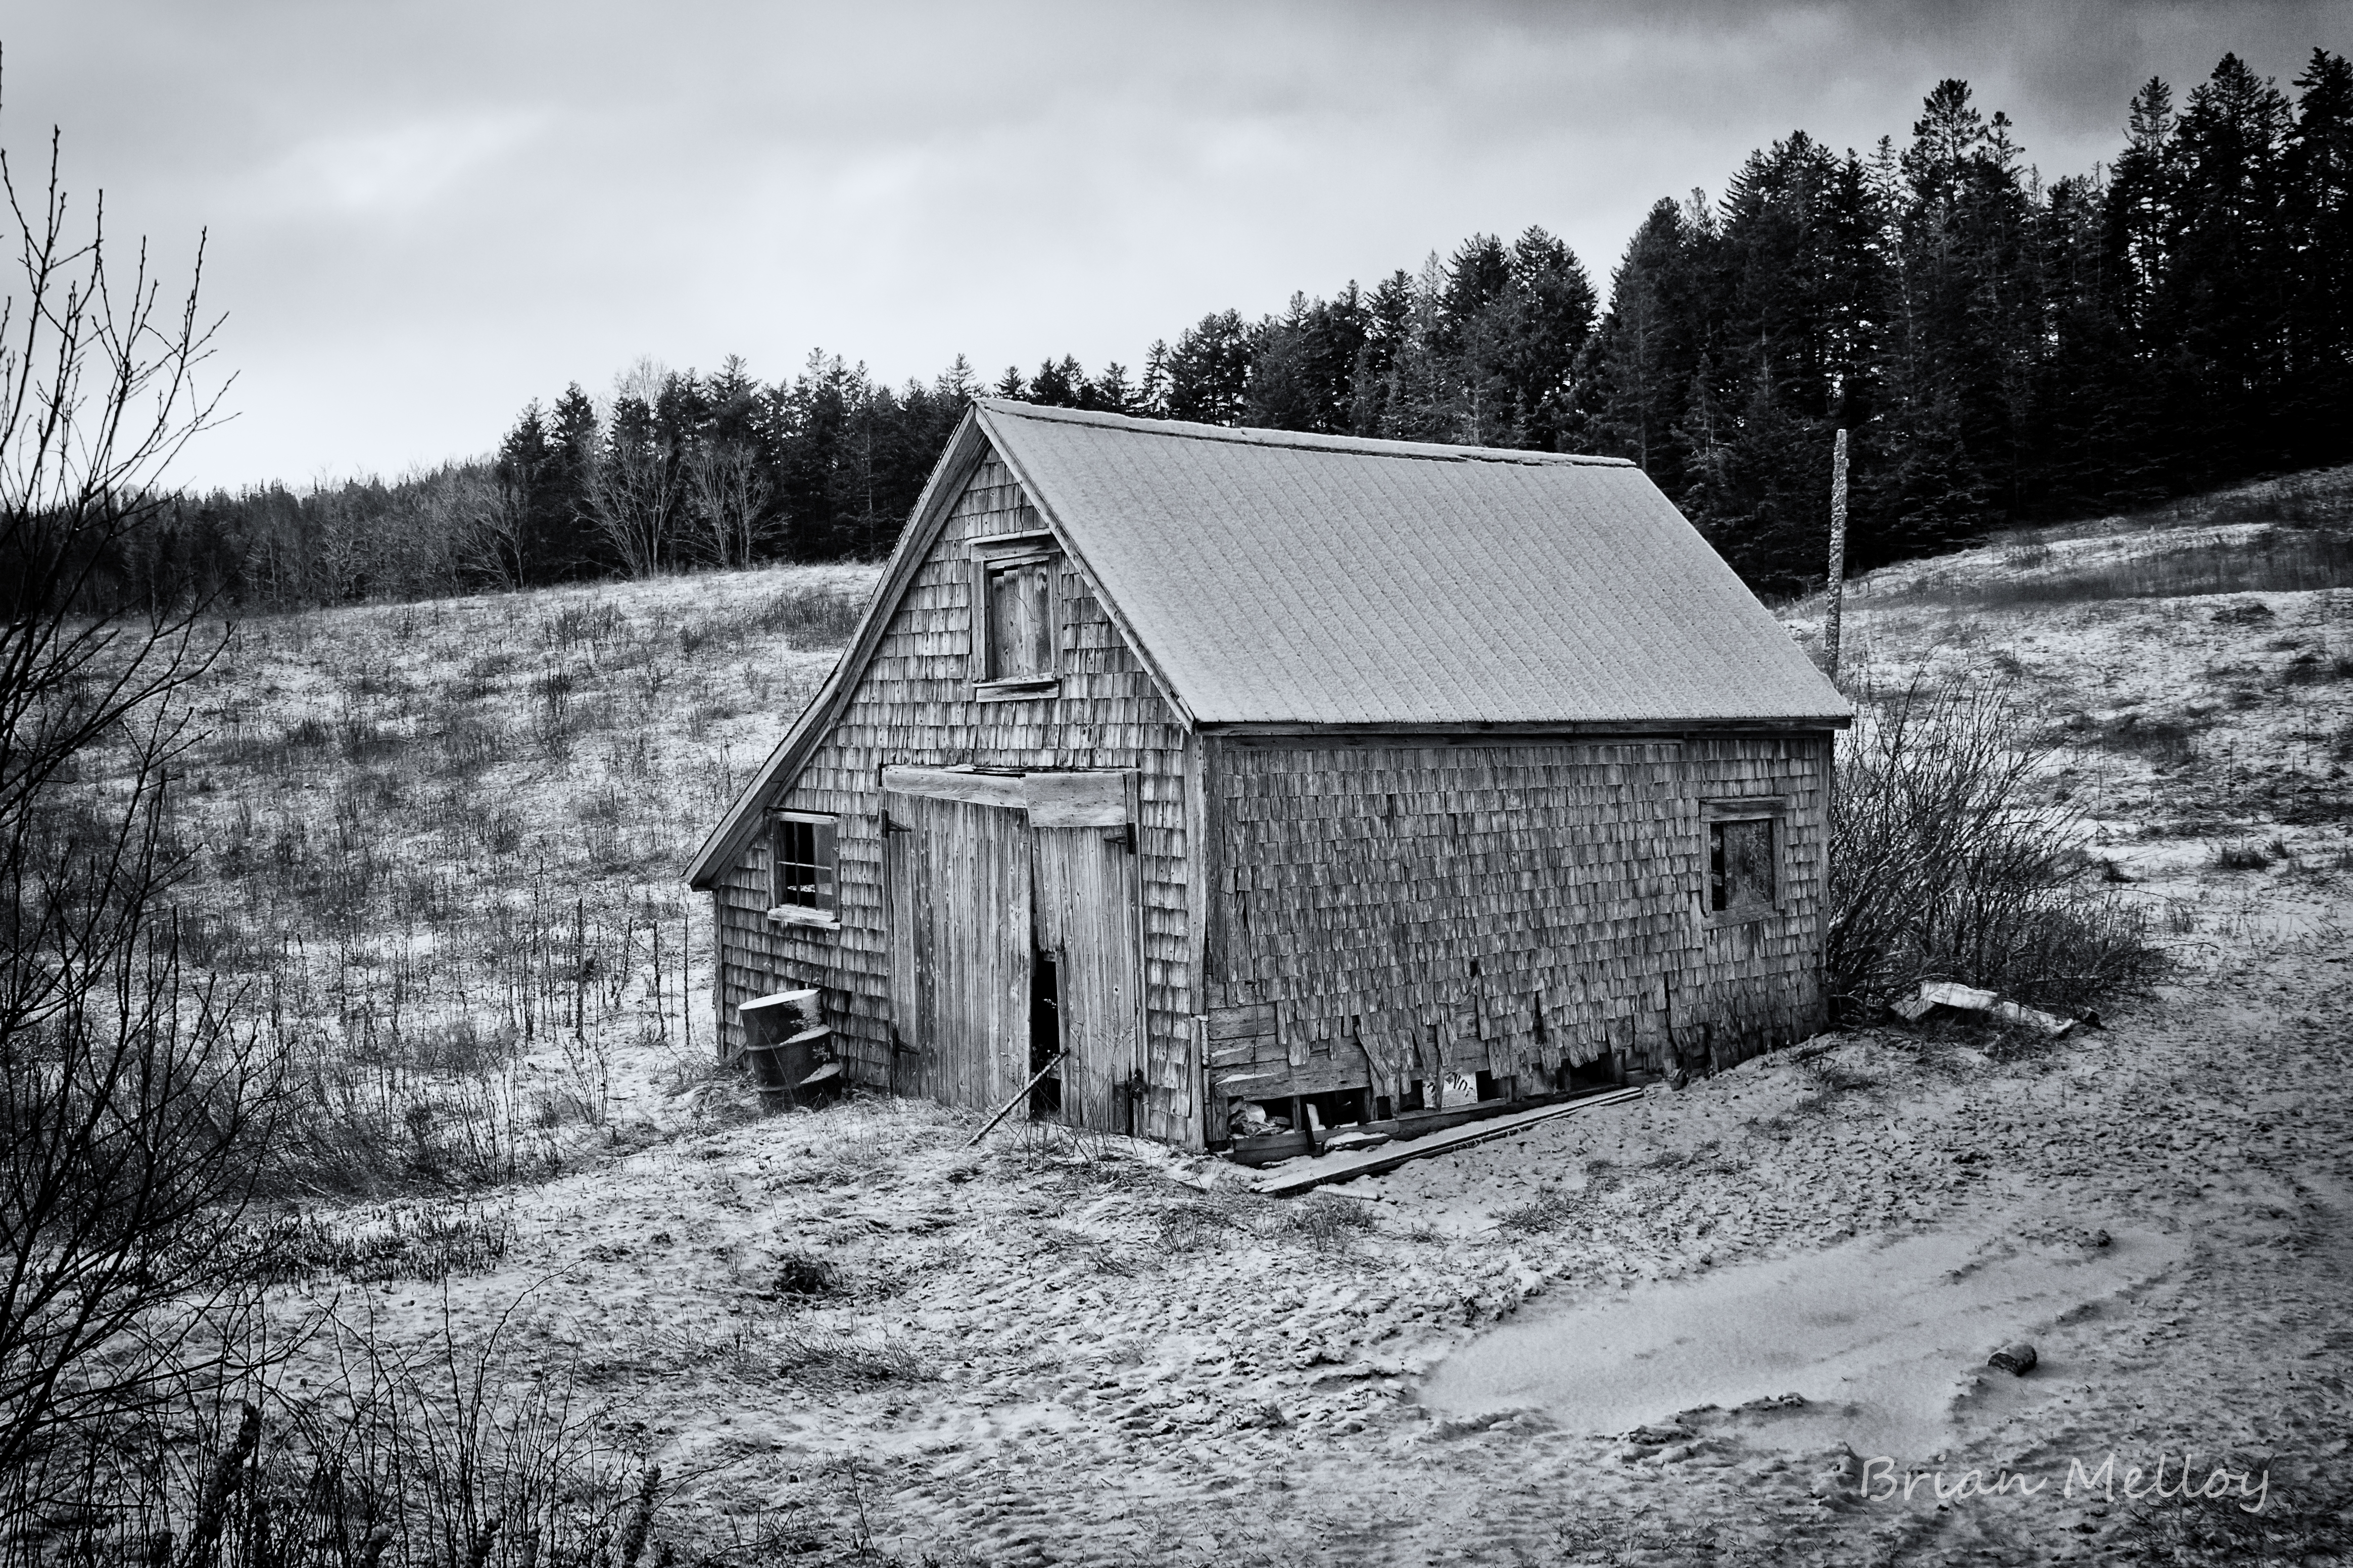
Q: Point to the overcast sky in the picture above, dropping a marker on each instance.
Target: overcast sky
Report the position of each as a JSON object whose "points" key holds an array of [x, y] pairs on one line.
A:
{"points": [[422, 214]]}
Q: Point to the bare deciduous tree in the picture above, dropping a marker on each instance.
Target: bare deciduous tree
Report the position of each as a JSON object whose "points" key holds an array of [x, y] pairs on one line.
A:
{"points": [[635, 489], [128, 1094], [729, 487]]}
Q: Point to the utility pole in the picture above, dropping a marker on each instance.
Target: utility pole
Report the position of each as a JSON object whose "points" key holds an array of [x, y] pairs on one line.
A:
{"points": [[1835, 594]]}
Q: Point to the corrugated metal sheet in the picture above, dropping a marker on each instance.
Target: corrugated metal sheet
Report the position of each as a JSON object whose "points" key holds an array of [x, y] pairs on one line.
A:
{"points": [[1275, 578]]}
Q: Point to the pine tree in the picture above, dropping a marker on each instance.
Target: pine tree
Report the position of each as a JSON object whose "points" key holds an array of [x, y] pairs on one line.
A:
{"points": [[2320, 239], [1208, 371]]}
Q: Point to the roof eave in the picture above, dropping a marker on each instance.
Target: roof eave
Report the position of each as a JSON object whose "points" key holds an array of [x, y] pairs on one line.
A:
{"points": [[1534, 728]]}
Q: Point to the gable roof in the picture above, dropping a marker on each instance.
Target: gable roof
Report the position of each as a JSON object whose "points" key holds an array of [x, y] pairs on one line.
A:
{"points": [[1290, 579], [1270, 577]]}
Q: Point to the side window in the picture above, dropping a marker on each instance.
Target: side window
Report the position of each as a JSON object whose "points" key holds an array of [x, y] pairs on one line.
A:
{"points": [[801, 859], [1743, 859]]}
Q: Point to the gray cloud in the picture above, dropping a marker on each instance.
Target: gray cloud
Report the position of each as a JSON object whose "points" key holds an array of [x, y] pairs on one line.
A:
{"points": [[423, 214]]}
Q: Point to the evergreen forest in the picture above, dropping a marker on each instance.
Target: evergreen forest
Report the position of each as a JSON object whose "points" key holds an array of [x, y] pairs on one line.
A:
{"points": [[2001, 348]]}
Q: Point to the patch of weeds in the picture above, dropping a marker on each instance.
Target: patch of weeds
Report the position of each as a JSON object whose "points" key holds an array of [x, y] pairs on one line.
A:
{"points": [[1192, 1227], [2240, 857], [1561, 1209], [1828, 1075], [1064, 1244], [803, 1273], [1325, 1222], [811, 617], [1548, 1212], [2197, 1530], [430, 1243], [590, 623], [2245, 612], [2163, 743], [817, 1358]]}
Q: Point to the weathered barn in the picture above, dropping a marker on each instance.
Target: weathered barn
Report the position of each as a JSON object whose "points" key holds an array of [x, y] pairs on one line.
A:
{"points": [[1247, 767]]}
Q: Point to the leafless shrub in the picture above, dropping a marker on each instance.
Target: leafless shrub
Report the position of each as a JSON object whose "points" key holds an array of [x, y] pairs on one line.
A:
{"points": [[1948, 861], [131, 1090], [436, 1458]]}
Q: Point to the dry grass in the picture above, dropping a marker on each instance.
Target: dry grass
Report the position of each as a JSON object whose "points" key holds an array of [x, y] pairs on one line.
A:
{"points": [[440, 841], [428, 1242], [824, 1359], [1323, 1221]]}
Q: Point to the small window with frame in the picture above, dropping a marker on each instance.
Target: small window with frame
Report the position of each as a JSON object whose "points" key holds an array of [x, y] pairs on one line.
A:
{"points": [[1744, 859], [801, 869], [1013, 616]]}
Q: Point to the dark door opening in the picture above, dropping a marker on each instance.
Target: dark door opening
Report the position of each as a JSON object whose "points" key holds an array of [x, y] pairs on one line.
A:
{"points": [[1045, 1034]]}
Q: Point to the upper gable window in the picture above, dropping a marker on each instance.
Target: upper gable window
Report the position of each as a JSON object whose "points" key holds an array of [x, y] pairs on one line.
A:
{"points": [[1014, 615]]}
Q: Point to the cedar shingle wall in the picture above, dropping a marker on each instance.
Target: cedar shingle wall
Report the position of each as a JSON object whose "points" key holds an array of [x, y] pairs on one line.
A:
{"points": [[1384, 911], [913, 707]]}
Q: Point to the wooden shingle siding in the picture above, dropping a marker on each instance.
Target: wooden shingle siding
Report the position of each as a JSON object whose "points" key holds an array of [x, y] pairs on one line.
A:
{"points": [[1391, 911], [914, 706]]}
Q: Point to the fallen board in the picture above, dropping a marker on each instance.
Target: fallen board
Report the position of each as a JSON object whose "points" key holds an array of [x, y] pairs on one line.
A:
{"points": [[1389, 1156]]}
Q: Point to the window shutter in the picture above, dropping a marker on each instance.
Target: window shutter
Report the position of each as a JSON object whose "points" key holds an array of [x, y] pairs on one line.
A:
{"points": [[825, 836], [980, 612]]}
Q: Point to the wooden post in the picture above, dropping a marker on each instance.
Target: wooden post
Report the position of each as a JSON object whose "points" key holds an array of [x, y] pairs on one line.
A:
{"points": [[1834, 595]]}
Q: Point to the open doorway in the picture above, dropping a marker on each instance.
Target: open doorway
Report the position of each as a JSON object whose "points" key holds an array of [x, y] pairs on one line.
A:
{"points": [[1044, 1034]]}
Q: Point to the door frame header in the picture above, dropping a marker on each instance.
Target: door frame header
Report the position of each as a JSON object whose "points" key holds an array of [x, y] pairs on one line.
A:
{"points": [[1100, 798]]}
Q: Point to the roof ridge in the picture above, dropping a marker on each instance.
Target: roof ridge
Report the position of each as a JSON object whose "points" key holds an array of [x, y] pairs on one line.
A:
{"points": [[1252, 436]]}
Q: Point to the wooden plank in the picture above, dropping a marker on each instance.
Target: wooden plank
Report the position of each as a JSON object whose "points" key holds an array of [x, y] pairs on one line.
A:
{"points": [[1240, 1023], [947, 784], [1389, 1156], [907, 896], [1097, 798]]}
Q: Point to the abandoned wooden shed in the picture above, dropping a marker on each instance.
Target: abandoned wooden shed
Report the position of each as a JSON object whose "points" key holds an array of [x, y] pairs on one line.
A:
{"points": [[1245, 767]]}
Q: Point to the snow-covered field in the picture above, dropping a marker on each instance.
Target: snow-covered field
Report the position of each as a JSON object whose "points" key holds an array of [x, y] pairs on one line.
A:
{"points": [[844, 1333]]}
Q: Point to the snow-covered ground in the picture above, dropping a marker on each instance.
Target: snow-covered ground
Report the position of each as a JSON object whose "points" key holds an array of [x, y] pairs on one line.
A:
{"points": [[843, 1331]]}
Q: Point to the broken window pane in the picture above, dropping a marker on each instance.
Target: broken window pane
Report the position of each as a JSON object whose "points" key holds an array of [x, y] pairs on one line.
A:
{"points": [[1740, 866]]}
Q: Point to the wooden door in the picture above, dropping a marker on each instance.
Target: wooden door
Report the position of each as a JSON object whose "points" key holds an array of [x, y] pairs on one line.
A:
{"points": [[957, 876], [1090, 916]]}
